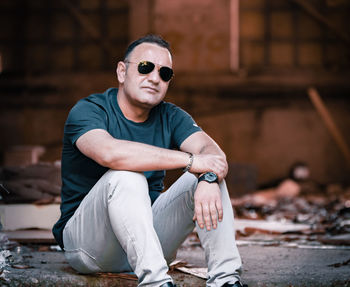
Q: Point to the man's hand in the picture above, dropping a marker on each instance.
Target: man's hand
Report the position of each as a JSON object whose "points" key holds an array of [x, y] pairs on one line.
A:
{"points": [[210, 162], [207, 205]]}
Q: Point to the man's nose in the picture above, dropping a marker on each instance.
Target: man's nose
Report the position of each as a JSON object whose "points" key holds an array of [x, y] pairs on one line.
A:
{"points": [[154, 76]]}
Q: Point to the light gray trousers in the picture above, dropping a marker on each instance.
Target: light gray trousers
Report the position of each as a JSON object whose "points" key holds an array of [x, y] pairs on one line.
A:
{"points": [[115, 229]]}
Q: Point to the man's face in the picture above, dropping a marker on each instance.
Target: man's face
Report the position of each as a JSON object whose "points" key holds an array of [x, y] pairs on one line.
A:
{"points": [[145, 90]]}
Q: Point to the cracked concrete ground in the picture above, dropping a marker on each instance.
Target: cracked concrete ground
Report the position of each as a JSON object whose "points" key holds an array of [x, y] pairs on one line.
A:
{"points": [[264, 266]]}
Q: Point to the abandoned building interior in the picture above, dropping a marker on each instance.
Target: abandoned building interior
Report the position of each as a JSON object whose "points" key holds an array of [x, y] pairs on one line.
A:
{"points": [[268, 80]]}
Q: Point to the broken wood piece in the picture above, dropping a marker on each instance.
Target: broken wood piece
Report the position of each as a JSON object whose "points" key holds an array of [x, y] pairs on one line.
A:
{"points": [[329, 122], [270, 227], [21, 266], [176, 264], [336, 265], [126, 276], [341, 239], [37, 236], [200, 272], [253, 230]]}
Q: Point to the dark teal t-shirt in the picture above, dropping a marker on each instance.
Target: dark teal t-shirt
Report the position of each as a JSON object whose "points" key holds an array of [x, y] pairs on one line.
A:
{"points": [[167, 126]]}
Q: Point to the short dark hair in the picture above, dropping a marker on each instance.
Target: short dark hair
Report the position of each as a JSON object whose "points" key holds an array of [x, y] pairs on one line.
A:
{"points": [[151, 38]]}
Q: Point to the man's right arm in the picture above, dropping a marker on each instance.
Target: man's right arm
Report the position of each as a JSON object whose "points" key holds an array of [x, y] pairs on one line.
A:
{"points": [[116, 154]]}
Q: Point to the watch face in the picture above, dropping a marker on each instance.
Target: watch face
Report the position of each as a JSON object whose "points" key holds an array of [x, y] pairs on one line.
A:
{"points": [[211, 177]]}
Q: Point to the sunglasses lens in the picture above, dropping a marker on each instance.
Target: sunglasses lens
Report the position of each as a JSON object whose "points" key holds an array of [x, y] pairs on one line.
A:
{"points": [[145, 67], [166, 73]]}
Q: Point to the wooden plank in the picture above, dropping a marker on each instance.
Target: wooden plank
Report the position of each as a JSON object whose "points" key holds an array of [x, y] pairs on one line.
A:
{"points": [[23, 216], [234, 35], [329, 122], [31, 236], [267, 32]]}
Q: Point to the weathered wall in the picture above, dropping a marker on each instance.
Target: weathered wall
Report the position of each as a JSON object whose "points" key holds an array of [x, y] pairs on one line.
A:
{"points": [[198, 32], [273, 138], [260, 114]]}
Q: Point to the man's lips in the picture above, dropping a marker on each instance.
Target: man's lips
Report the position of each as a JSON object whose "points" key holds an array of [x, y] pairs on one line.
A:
{"points": [[151, 89]]}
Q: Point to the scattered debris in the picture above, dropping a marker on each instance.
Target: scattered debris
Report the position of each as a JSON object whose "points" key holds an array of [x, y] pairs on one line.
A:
{"points": [[247, 227], [55, 248], [4, 255], [3, 275], [342, 239], [336, 265], [314, 213], [34, 280], [176, 264], [4, 258], [200, 272], [12, 256], [21, 266]]}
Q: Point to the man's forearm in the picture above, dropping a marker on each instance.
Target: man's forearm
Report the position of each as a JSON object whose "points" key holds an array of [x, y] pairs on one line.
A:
{"points": [[117, 154], [128, 155]]}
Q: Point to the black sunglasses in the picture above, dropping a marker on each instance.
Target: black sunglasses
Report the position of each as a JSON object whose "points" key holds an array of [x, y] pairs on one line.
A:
{"points": [[146, 67]]}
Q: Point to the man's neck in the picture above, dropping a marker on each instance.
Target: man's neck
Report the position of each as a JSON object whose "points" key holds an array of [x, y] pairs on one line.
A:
{"points": [[131, 112]]}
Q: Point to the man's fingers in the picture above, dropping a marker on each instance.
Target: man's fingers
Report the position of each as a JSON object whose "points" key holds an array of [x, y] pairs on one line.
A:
{"points": [[208, 207], [213, 214], [206, 216], [220, 169], [199, 215], [219, 209]]}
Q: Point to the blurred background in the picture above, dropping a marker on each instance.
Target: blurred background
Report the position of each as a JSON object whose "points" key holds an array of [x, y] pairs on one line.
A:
{"points": [[243, 69]]}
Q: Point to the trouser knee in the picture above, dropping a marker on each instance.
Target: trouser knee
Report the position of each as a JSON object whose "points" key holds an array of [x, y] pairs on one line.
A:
{"points": [[134, 184]]}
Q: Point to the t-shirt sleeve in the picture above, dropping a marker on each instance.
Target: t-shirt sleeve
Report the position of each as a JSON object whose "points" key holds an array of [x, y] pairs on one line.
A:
{"points": [[83, 117], [182, 126]]}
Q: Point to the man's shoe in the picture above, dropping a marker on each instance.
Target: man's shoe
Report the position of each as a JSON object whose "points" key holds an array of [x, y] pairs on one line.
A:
{"points": [[237, 284], [168, 284]]}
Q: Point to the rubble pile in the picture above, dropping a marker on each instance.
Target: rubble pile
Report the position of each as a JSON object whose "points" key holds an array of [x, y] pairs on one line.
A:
{"points": [[38, 183], [326, 209], [7, 257]]}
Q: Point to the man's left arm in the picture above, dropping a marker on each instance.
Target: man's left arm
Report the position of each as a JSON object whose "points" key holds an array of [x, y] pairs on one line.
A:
{"points": [[207, 197]]}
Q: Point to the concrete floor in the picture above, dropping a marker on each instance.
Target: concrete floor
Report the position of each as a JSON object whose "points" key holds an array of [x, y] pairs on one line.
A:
{"points": [[264, 266]]}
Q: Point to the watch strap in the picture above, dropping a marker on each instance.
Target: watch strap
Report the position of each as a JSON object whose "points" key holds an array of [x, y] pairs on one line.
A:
{"points": [[205, 177]]}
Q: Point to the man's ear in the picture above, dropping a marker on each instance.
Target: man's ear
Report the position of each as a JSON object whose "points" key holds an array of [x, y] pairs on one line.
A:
{"points": [[121, 71]]}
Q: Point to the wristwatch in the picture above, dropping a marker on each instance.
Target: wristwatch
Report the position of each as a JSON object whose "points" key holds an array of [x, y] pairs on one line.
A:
{"points": [[208, 177]]}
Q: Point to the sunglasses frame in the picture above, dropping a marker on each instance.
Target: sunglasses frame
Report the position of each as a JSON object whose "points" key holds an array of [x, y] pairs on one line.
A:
{"points": [[144, 63]]}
